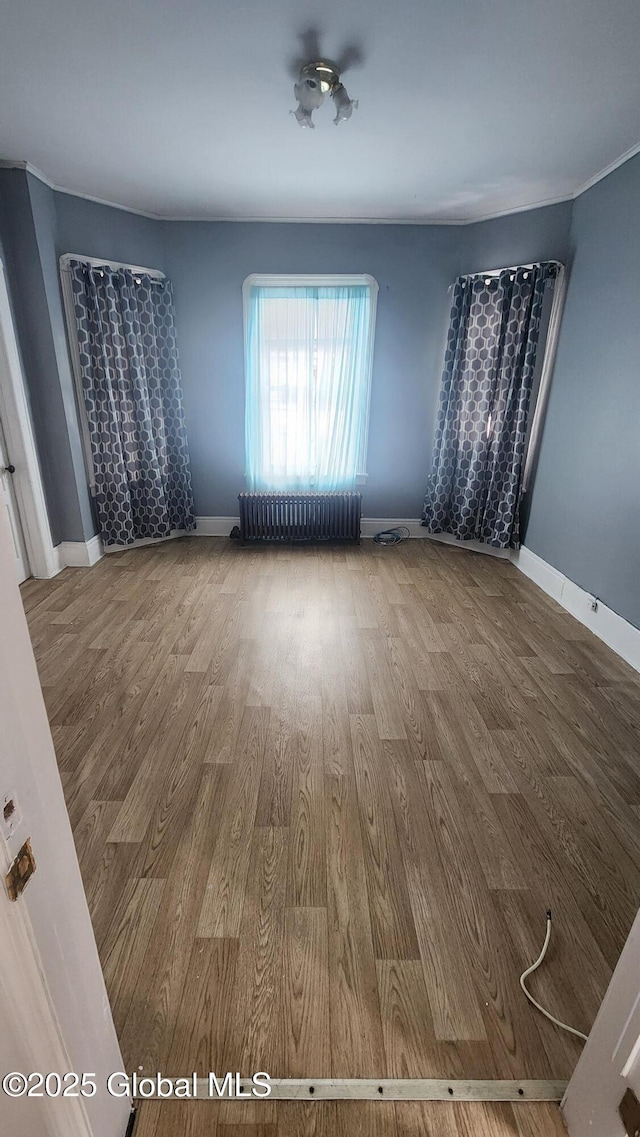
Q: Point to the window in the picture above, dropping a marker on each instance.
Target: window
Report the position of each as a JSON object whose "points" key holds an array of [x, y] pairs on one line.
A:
{"points": [[308, 357]]}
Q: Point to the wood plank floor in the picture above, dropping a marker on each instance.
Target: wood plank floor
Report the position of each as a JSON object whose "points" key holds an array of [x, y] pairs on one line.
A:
{"points": [[322, 798], [348, 1119]]}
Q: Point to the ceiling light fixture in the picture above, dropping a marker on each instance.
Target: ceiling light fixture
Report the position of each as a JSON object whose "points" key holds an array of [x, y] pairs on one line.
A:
{"points": [[314, 81]]}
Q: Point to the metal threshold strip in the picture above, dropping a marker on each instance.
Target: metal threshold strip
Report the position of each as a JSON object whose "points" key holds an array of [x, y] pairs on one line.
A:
{"points": [[394, 1089]]}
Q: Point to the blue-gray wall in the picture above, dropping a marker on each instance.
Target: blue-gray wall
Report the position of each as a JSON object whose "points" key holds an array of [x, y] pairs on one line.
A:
{"points": [[585, 505], [36, 227], [584, 513], [413, 266], [27, 227], [76, 515], [518, 238], [95, 230], [208, 262]]}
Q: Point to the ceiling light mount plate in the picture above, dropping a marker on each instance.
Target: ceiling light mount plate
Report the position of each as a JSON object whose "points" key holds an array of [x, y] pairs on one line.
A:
{"points": [[321, 75]]}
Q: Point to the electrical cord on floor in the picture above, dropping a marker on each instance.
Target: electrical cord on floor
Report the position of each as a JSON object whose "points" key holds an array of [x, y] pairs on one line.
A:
{"points": [[392, 536], [534, 967]]}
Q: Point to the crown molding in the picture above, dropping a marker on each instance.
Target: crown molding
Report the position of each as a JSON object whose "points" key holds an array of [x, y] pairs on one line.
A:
{"points": [[109, 204], [9, 163], [29, 168], [17, 164], [431, 221], [615, 165]]}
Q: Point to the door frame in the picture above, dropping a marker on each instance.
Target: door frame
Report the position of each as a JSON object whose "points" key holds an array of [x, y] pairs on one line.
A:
{"points": [[610, 1061], [43, 556]]}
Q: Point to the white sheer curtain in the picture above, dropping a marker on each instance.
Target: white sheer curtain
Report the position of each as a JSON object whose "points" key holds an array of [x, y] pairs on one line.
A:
{"points": [[308, 366]]}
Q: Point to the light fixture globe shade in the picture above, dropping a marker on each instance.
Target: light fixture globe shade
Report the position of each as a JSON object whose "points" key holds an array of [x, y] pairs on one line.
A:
{"points": [[343, 104], [309, 93], [303, 117]]}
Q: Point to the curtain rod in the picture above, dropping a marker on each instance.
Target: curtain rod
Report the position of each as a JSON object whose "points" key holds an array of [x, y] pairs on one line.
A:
{"points": [[507, 268], [102, 262]]}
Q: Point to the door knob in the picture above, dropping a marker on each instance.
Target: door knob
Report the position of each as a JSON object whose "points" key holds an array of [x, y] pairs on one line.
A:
{"points": [[9, 469]]}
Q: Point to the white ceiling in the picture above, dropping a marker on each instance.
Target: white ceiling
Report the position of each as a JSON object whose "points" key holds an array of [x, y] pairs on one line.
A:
{"points": [[181, 107]]}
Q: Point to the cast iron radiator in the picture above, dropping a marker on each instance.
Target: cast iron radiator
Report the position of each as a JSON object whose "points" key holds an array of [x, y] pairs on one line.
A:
{"points": [[300, 516]]}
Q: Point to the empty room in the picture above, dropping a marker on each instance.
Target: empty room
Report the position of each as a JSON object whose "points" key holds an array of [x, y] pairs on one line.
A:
{"points": [[320, 566]]}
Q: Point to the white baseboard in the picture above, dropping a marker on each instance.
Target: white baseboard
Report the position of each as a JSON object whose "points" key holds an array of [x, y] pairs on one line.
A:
{"points": [[84, 554], [372, 525], [621, 636], [222, 526], [79, 554], [144, 542], [214, 526], [472, 546], [369, 526], [548, 578], [56, 562]]}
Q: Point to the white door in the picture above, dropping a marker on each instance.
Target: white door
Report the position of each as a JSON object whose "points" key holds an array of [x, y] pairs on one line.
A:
{"points": [[54, 1011], [9, 505]]}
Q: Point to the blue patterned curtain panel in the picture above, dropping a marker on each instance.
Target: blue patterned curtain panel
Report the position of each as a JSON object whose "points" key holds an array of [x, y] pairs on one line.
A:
{"points": [[132, 396], [481, 430]]}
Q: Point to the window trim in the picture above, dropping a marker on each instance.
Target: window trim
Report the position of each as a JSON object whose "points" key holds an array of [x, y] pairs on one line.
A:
{"points": [[319, 280]]}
